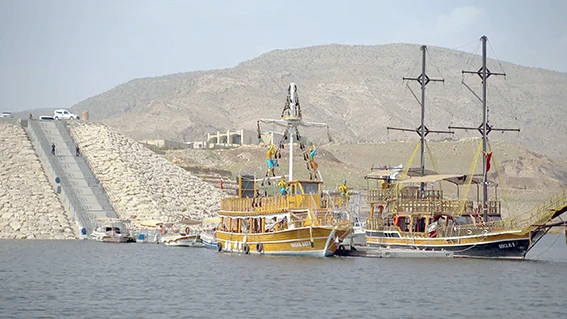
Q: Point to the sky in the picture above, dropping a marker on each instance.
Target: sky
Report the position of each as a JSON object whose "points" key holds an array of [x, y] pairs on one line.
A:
{"points": [[56, 53]]}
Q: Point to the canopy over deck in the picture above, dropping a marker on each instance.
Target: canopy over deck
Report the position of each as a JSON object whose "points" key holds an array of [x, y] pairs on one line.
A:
{"points": [[457, 179]]}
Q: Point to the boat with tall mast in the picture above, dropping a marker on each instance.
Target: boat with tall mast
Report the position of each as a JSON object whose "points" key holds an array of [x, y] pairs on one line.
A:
{"points": [[405, 214], [300, 218]]}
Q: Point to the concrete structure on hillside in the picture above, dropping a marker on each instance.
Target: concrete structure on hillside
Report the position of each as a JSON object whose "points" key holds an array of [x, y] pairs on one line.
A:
{"points": [[70, 174], [232, 138]]}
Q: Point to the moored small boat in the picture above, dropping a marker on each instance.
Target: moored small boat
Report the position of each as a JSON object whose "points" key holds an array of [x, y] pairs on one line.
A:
{"points": [[183, 240], [112, 233]]}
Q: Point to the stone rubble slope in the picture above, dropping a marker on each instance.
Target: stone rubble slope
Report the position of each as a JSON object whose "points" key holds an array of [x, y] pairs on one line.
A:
{"points": [[140, 184], [29, 207]]}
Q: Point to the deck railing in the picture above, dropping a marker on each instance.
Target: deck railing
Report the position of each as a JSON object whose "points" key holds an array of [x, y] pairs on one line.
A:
{"points": [[281, 203], [455, 230]]}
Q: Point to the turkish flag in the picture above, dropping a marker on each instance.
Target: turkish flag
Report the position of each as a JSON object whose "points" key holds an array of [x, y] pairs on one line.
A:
{"points": [[488, 157]]}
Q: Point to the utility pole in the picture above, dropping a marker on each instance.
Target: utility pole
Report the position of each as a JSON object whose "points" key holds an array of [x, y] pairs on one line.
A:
{"points": [[422, 130], [484, 128]]}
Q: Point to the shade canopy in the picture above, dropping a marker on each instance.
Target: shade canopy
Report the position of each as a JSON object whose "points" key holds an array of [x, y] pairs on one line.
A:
{"points": [[151, 223], [190, 222]]}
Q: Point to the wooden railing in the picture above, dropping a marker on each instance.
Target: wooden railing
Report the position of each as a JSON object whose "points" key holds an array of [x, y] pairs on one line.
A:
{"points": [[449, 207], [281, 203], [456, 230]]}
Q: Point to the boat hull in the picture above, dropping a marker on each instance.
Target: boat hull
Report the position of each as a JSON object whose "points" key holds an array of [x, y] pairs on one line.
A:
{"points": [[112, 239], [505, 246], [183, 241], [317, 241], [209, 240]]}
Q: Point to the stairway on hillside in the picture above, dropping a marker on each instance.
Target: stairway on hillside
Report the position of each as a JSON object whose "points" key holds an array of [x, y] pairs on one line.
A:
{"points": [[70, 175]]}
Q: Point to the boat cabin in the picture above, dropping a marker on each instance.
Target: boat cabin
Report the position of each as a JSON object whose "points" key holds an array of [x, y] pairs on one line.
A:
{"points": [[414, 204], [258, 209]]}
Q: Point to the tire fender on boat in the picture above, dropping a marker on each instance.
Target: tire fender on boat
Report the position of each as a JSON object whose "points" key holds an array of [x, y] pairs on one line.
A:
{"points": [[341, 250], [219, 246], [246, 249], [259, 247]]}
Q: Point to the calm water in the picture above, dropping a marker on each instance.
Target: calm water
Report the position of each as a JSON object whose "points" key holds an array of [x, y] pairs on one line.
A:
{"points": [[85, 279]]}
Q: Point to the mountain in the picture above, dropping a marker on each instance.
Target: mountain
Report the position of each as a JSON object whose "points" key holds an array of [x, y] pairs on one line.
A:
{"points": [[357, 90]]}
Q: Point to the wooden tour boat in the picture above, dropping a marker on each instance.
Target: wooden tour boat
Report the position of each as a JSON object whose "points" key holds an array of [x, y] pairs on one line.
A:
{"points": [[300, 219], [404, 213]]}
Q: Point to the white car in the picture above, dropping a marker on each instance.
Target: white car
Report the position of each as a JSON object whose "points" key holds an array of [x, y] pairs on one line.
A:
{"points": [[7, 114], [63, 114]]}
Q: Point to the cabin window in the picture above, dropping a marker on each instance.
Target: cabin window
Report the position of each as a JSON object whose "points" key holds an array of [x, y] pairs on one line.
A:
{"points": [[311, 188], [244, 225], [495, 217], [463, 220]]}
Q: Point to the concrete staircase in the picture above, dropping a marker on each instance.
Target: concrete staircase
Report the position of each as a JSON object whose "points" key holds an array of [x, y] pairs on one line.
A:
{"points": [[70, 175]]}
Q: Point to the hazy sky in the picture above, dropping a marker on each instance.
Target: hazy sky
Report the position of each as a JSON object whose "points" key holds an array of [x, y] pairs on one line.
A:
{"points": [[57, 53]]}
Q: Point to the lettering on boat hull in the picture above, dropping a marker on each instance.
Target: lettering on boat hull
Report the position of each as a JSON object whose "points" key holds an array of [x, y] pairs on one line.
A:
{"points": [[301, 244], [514, 249]]}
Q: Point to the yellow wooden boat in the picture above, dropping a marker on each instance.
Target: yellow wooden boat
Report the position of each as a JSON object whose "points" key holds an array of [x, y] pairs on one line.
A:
{"points": [[404, 213], [301, 220]]}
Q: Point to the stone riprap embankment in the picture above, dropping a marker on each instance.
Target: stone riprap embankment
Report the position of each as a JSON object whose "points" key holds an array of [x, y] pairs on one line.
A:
{"points": [[140, 184], [29, 207]]}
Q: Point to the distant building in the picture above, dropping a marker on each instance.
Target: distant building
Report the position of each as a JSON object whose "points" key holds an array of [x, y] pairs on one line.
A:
{"points": [[229, 139]]}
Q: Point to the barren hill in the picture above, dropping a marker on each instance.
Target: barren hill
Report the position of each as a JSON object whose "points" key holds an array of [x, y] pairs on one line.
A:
{"points": [[358, 90]]}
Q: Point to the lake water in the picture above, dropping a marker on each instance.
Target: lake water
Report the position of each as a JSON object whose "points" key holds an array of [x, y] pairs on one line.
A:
{"points": [[85, 279]]}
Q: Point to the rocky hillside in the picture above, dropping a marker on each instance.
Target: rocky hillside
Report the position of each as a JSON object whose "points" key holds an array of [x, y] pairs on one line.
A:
{"points": [[358, 90], [140, 184], [29, 208]]}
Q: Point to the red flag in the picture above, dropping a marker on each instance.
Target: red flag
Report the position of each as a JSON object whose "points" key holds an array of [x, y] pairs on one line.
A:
{"points": [[221, 185], [488, 157]]}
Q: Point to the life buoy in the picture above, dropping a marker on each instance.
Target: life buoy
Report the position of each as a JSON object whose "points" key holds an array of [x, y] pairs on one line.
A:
{"points": [[397, 220], [246, 249], [219, 246], [259, 247], [187, 230]]}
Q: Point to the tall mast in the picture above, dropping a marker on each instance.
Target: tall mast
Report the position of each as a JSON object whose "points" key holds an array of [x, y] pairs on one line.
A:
{"points": [[291, 120], [484, 128], [422, 130]]}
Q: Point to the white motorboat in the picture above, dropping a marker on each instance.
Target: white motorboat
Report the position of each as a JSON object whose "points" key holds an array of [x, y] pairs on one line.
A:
{"points": [[183, 240], [112, 233]]}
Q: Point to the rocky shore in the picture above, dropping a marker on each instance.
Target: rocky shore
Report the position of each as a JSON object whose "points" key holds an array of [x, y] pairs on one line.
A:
{"points": [[29, 207], [142, 185]]}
